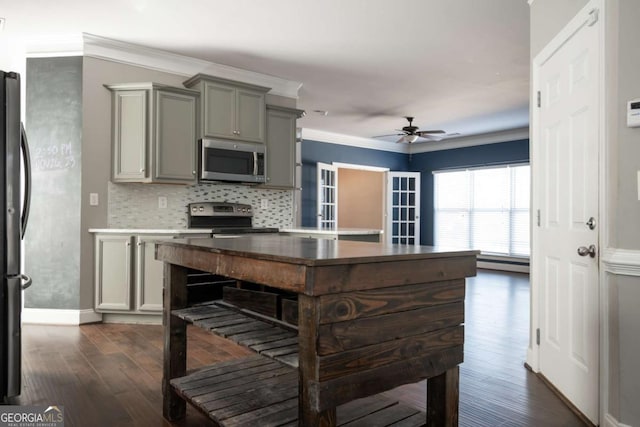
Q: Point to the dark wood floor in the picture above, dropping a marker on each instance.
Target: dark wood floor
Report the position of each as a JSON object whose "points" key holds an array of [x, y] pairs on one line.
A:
{"points": [[109, 375]]}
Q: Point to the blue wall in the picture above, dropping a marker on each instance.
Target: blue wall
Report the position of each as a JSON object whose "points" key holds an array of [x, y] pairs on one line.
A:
{"points": [[482, 155], [314, 152]]}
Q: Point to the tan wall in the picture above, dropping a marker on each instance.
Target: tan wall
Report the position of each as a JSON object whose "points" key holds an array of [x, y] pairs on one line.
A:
{"points": [[360, 198]]}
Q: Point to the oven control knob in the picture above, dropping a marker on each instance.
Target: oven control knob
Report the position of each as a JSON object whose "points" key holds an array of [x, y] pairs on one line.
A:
{"points": [[194, 209], [201, 209]]}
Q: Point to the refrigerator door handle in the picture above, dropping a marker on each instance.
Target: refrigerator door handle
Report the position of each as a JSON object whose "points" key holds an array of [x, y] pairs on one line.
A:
{"points": [[26, 281], [26, 203]]}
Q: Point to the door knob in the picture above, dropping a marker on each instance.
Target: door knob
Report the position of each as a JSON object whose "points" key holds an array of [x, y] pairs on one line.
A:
{"points": [[584, 251], [591, 223]]}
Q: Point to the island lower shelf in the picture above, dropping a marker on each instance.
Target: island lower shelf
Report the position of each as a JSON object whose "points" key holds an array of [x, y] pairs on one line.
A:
{"points": [[263, 335], [257, 390]]}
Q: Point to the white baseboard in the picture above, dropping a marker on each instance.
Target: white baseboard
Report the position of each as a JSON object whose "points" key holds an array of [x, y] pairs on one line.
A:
{"points": [[610, 421], [488, 265], [52, 316], [135, 319]]}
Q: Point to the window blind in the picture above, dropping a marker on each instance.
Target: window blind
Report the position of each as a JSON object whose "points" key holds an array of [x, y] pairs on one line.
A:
{"points": [[484, 208]]}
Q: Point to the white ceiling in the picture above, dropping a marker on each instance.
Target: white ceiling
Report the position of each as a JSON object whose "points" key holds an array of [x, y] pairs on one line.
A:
{"points": [[457, 65]]}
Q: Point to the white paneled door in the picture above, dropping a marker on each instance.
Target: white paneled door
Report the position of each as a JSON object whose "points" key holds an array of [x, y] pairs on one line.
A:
{"points": [[403, 203], [565, 228], [327, 196]]}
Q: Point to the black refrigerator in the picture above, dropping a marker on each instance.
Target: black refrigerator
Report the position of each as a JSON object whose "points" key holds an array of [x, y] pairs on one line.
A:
{"points": [[15, 192]]}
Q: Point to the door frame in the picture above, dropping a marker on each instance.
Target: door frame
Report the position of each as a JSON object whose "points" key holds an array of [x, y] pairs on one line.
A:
{"points": [[340, 165], [533, 351]]}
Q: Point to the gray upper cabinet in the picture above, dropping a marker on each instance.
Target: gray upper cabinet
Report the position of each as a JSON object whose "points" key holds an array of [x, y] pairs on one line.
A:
{"points": [[281, 146], [154, 133], [230, 109]]}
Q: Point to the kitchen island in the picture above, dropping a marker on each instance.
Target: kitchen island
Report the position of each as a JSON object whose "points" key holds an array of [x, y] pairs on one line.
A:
{"points": [[371, 318]]}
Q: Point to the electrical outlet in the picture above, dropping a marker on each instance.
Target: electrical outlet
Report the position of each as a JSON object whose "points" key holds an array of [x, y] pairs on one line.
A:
{"points": [[162, 202], [264, 203], [93, 199]]}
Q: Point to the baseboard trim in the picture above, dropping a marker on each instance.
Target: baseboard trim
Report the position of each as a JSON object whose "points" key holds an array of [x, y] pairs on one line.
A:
{"points": [[54, 316], [492, 265], [610, 421], [136, 319], [566, 401]]}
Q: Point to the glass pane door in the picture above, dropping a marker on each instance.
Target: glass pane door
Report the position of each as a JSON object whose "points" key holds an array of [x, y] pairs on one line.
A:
{"points": [[327, 196], [403, 201]]}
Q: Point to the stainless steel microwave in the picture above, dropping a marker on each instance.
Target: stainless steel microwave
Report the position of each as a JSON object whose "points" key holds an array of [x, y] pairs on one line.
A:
{"points": [[221, 160]]}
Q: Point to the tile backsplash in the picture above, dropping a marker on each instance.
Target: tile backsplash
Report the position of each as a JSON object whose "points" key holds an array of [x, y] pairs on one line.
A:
{"points": [[136, 205]]}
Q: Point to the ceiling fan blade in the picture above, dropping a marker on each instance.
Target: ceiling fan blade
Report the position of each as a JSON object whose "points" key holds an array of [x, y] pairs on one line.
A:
{"points": [[431, 138], [421, 132], [392, 134]]}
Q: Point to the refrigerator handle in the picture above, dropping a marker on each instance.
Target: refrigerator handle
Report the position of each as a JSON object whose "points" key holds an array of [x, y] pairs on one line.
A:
{"points": [[26, 203], [27, 281]]}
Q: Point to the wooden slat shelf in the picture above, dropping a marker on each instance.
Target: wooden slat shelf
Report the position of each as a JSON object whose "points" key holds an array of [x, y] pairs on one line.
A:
{"points": [[267, 338], [257, 390]]}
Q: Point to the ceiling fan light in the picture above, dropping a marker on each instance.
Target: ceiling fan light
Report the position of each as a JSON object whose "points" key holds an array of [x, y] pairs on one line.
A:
{"points": [[411, 138]]}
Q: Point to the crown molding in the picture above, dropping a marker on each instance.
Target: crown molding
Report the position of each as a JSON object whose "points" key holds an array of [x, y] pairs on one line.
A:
{"points": [[53, 46], [446, 144], [472, 140], [352, 141], [154, 59]]}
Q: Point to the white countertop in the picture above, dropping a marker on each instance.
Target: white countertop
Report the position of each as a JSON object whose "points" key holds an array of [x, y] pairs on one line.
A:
{"points": [[338, 232], [149, 231], [297, 230]]}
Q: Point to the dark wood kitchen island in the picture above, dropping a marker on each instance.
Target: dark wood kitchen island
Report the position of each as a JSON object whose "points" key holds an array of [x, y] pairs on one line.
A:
{"points": [[371, 317]]}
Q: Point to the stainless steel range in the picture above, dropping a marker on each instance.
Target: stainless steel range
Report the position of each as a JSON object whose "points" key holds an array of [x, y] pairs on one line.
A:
{"points": [[223, 218]]}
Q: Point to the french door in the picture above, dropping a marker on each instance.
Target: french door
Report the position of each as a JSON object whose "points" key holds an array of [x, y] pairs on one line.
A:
{"points": [[327, 197], [403, 208]]}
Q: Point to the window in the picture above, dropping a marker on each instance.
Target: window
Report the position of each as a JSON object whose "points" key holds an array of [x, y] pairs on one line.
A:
{"points": [[485, 209]]}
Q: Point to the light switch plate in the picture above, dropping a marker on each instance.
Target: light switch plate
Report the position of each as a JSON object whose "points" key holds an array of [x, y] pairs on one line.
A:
{"points": [[162, 202], [93, 199]]}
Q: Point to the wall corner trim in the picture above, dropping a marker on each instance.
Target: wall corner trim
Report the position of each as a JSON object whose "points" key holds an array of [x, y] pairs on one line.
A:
{"points": [[624, 262], [53, 316]]}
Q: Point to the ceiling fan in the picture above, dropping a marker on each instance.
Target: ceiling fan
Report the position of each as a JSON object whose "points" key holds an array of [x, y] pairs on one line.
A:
{"points": [[412, 133]]}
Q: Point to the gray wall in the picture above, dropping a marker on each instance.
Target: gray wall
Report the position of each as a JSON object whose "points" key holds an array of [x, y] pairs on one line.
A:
{"points": [[54, 128], [623, 86], [621, 63], [547, 18], [96, 149]]}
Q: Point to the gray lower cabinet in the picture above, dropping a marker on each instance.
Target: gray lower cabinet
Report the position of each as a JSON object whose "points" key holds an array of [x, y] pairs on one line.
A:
{"points": [[230, 109], [281, 146], [128, 279], [154, 133]]}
